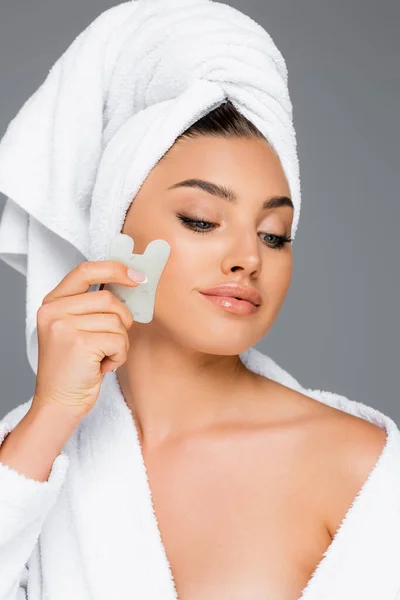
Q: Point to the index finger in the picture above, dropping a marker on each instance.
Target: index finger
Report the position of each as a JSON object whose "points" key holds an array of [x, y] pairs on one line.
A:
{"points": [[87, 273]]}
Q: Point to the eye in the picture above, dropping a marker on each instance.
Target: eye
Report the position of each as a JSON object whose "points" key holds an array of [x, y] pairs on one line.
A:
{"points": [[281, 240], [196, 226]]}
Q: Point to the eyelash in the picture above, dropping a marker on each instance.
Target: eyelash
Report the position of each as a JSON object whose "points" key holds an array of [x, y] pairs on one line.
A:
{"points": [[188, 222]]}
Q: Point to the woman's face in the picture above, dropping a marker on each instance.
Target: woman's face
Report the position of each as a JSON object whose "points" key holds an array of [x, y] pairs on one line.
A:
{"points": [[235, 249]]}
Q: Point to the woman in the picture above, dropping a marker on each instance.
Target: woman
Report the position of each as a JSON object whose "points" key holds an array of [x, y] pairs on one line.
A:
{"points": [[199, 468]]}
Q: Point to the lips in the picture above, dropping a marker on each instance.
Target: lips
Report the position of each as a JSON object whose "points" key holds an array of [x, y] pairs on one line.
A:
{"points": [[235, 291]]}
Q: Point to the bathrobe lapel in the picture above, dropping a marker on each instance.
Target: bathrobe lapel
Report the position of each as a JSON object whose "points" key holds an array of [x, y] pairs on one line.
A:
{"points": [[121, 547]]}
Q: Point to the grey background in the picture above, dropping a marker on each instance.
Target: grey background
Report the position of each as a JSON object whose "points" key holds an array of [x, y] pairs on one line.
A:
{"points": [[338, 329]]}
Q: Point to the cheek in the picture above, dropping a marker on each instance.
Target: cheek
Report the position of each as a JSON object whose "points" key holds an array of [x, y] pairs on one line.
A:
{"points": [[180, 275], [277, 280]]}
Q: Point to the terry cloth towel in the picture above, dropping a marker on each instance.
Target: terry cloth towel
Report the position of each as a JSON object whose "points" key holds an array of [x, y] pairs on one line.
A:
{"points": [[79, 149], [91, 532]]}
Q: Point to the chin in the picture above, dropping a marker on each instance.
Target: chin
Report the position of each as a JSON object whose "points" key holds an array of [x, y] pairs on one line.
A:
{"points": [[227, 339]]}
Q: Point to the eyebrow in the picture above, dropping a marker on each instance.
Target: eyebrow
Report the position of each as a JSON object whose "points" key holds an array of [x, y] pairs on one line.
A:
{"points": [[228, 194]]}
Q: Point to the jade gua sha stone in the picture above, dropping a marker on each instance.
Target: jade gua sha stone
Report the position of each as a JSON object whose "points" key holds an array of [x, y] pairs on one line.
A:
{"points": [[140, 300]]}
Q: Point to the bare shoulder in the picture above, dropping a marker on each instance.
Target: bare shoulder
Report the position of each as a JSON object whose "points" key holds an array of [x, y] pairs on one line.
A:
{"points": [[352, 443], [356, 447], [363, 442], [342, 451], [351, 436], [349, 447]]}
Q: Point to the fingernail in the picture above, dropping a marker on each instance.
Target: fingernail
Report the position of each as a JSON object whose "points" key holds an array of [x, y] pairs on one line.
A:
{"points": [[113, 371], [137, 277]]}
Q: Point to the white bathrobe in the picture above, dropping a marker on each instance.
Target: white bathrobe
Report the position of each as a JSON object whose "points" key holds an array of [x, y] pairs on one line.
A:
{"points": [[90, 531]]}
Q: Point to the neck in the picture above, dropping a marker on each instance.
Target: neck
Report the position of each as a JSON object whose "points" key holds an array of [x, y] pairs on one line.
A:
{"points": [[174, 392]]}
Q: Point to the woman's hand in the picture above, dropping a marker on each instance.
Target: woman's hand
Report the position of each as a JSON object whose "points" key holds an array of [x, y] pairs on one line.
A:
{"points": [[81, 336]]}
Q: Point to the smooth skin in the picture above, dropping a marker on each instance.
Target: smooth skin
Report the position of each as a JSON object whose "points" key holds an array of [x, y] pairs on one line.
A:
{"points": [[250, 480]]}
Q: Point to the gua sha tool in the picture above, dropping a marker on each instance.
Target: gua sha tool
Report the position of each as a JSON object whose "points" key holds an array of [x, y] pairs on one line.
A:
{"points": [[140, 300]]}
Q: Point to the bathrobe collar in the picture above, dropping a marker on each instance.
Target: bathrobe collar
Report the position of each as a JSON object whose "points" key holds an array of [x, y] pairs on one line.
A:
{"points": [[118, 534]]}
